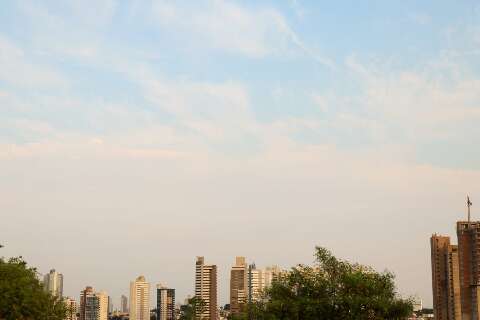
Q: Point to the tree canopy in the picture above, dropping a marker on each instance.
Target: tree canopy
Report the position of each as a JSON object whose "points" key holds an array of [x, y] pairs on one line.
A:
{"points": [[193, 309], [22, 296], [331, 289]]}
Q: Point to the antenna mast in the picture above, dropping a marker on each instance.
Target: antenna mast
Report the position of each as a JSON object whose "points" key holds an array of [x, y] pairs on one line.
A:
{"points": [[469, 204]]}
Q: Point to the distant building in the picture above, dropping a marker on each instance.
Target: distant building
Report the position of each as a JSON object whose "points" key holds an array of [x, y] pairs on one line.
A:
{"points": [[53, 283], [206, 288], [238, 285], [123, 304], [110, 305], [445, 279], [165, 303], [139, 299], [72, 308]]}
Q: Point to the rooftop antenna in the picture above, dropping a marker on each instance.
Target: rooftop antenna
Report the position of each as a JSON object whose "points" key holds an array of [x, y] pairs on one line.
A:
{"points": [[469, 204]]}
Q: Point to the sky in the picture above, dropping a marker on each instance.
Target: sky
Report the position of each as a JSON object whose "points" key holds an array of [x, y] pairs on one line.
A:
{"points": [[137, 135]]}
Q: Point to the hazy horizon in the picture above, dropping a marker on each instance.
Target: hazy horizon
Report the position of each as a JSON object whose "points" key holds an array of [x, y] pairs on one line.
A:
{"points": [[135, 136]]}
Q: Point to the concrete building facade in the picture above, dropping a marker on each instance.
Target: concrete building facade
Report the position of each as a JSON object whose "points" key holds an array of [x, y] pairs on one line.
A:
{"points": [[206, 288], [238, 285], [139, 299], [468, 234], [53, 283], [123, 304], [165, 303], [445, 279], [72, 308]]}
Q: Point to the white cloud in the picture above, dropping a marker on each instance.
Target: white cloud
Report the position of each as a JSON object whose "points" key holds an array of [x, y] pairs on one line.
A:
{"points": [[18, 69], [254, 32], [421, 105], [420, 18]]}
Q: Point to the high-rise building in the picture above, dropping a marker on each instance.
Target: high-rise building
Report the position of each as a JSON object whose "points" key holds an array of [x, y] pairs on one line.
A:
{"points": [[88, 304], [238, 285], [72, 308], [124, 304], [93, 305], [110, 305], [206, 288], [270, 274], [53, 283], [139, 299], [445, 279], [468, 234], [102, 305], [255, 283], [165, 303]]}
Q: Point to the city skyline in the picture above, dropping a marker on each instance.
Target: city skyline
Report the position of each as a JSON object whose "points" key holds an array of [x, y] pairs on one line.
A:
{"points": [[227, 128]]}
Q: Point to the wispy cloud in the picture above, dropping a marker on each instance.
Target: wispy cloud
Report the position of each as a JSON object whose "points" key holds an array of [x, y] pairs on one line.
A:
{"points": [[19, 69], [255, 32]]}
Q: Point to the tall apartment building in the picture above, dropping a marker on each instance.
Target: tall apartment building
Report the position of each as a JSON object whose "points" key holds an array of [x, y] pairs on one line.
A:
{"points": [[72, 308], [124, 304], [102, 305], [445, 279], [53, 283], [255, 283], [139, 299], [88, 304], [270, 274], [468, 234], [206, 288], [165, 303], [238, 285], [93, 305]]}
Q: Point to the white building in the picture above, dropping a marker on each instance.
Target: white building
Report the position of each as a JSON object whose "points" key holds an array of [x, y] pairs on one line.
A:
{"points": [[139, 299], [255, 283], [53, 283]]}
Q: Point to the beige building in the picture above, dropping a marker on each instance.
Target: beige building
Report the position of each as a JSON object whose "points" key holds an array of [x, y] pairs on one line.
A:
{"points": [[72, 308], [255, 283], [139, 299], [206, 288], [238, 285], [270, 274], [53, 283], [445, 279], [102, 305]]}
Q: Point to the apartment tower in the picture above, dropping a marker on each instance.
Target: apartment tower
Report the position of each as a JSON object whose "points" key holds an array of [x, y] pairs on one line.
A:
{"points": [[445, 279], [124, 304], [255, 283], [102, 305], [238, 285], [88, 304], [165, 303], [468, 234], [53, 283], [206, 288], [72, 308], [139, 299]]}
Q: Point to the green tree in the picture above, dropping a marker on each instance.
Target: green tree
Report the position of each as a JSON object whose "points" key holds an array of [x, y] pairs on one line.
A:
{"points": [[331, 289], [22, 296], [193, 309]]}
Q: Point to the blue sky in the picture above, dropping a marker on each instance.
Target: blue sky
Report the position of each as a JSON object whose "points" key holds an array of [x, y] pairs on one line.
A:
{"points": [[241, 113]]}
